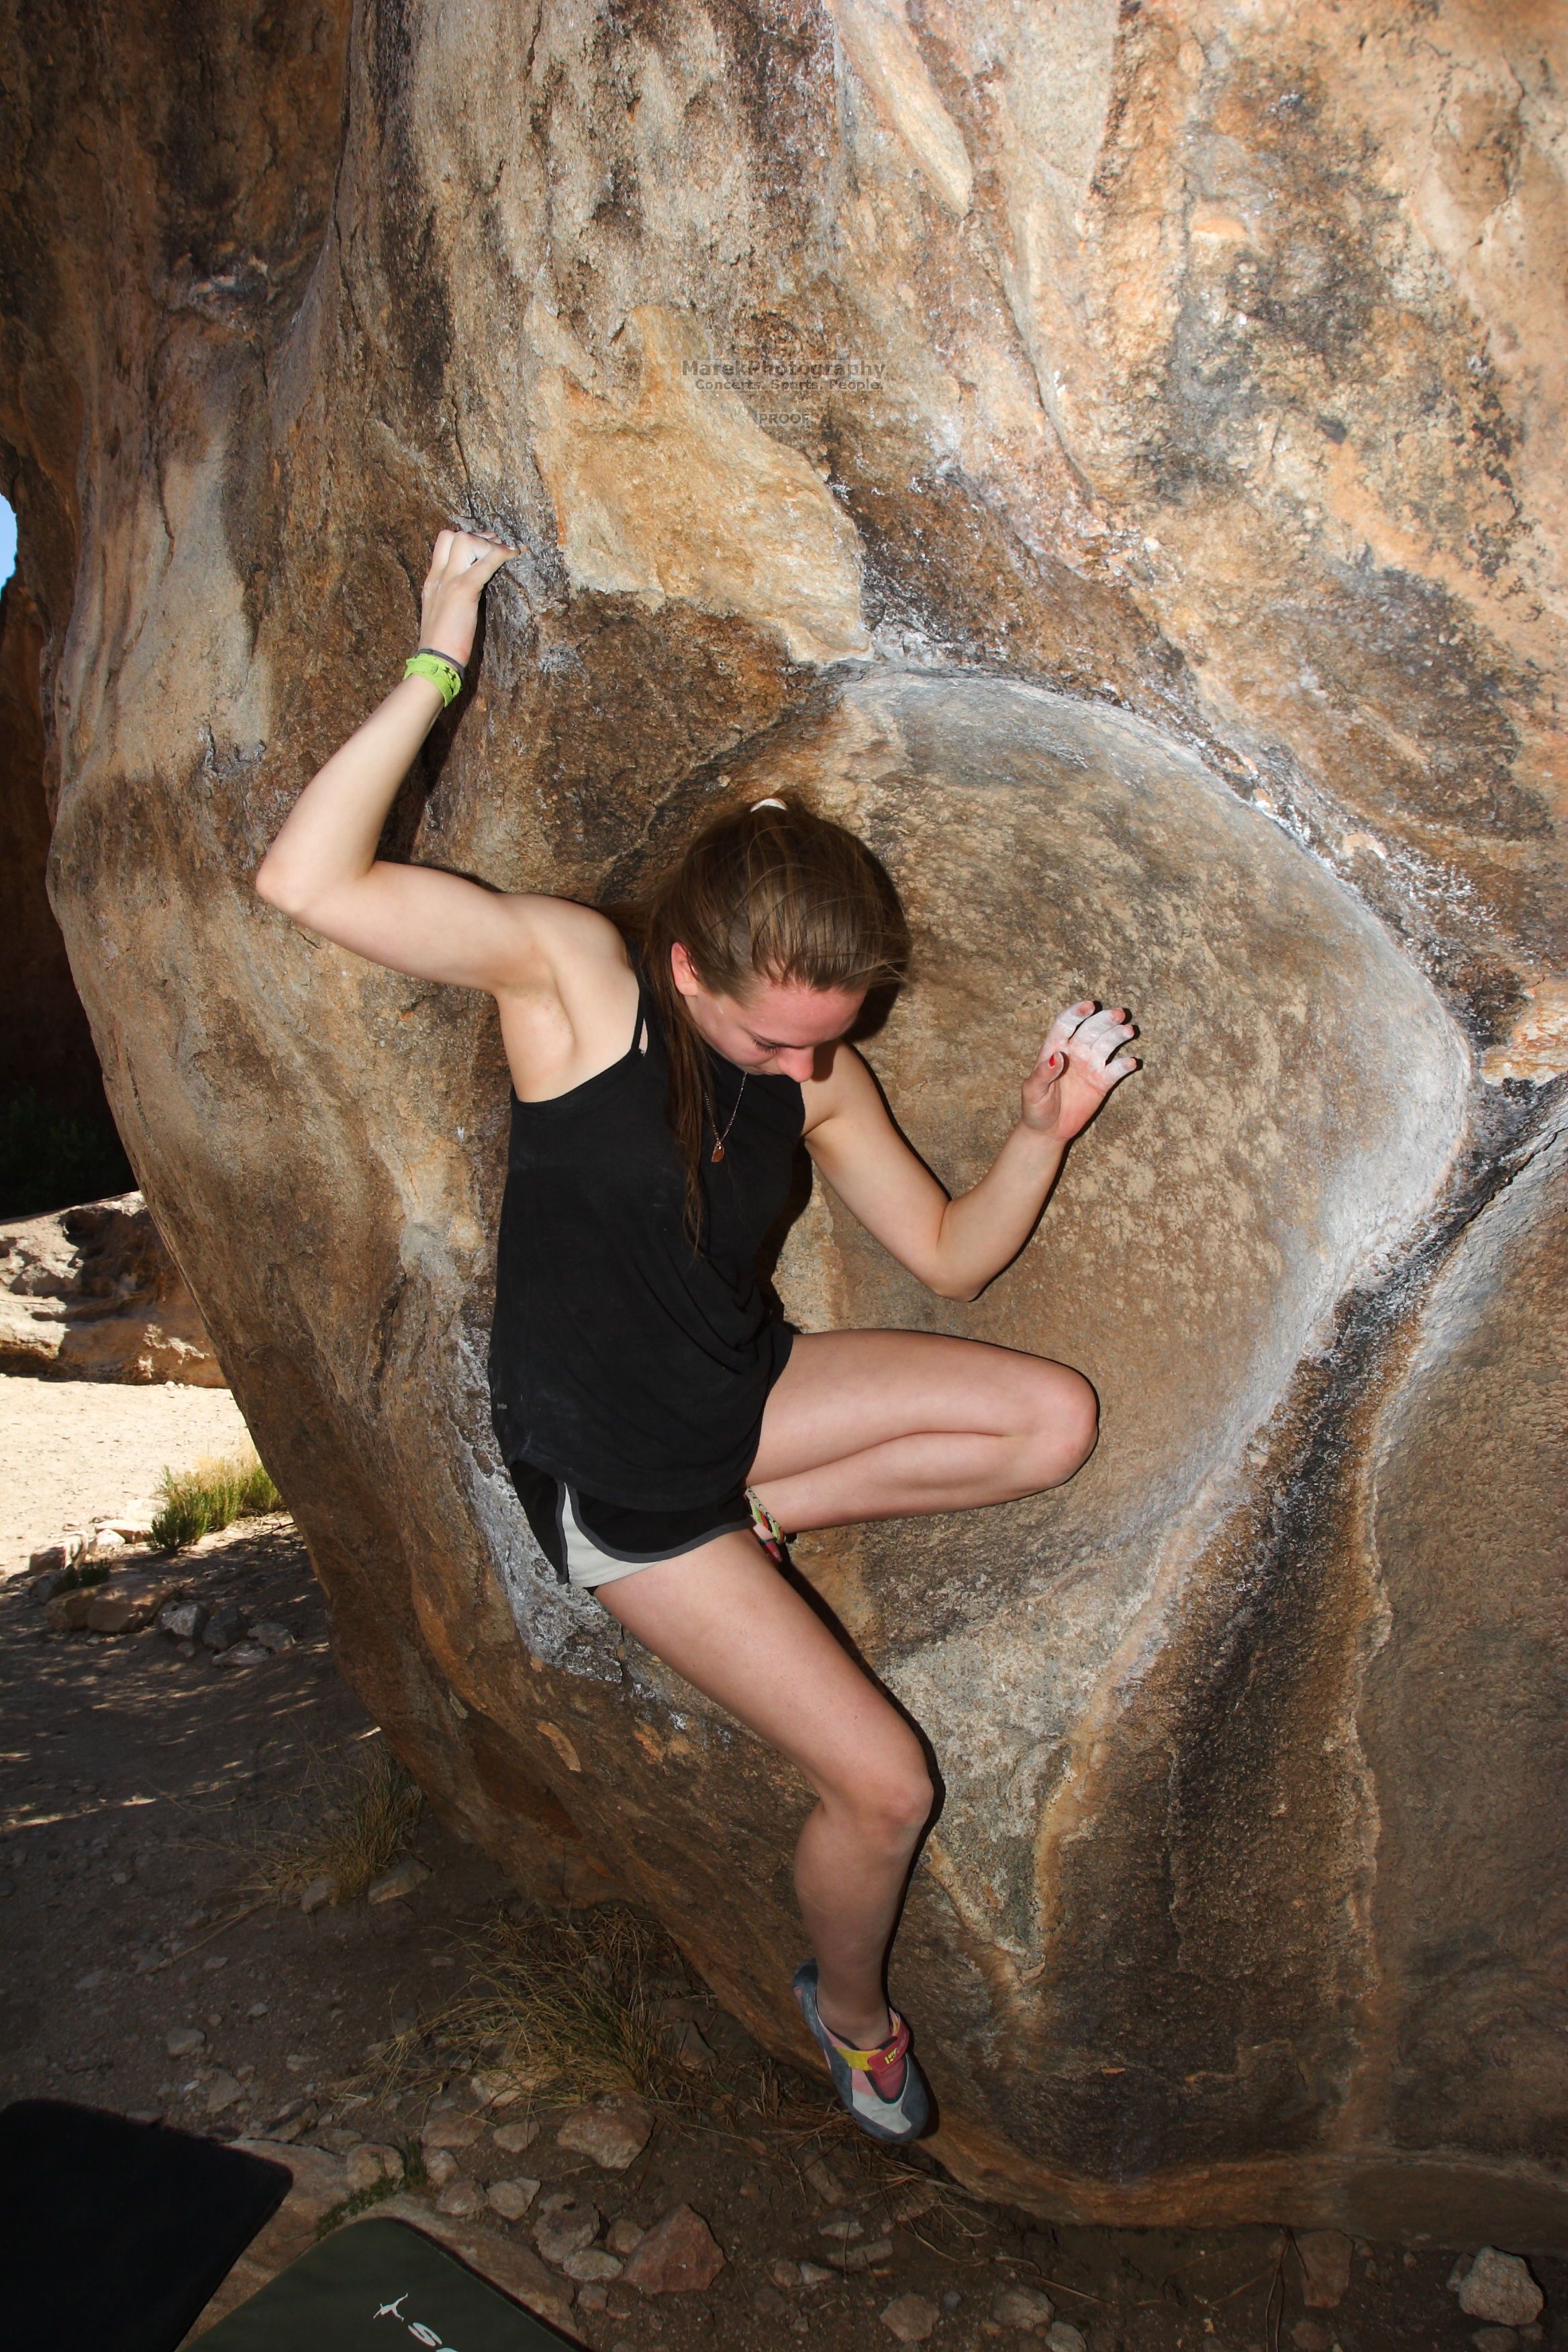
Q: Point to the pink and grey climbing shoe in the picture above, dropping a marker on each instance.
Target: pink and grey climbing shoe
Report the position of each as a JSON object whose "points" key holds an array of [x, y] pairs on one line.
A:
{"points": [[883, 2089]]}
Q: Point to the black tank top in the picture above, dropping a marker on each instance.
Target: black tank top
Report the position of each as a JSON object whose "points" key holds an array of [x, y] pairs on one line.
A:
{"points": [[622, 1359]]}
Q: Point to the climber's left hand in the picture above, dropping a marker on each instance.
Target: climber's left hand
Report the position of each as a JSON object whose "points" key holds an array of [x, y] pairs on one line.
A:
{"points": [[1078, 1065]]}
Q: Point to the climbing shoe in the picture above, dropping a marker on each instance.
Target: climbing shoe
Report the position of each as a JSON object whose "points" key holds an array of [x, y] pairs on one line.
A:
{"points": [[883, 2089]]}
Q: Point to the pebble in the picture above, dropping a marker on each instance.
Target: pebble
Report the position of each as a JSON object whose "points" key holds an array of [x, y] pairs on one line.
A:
{"points": [[827, 2184], [400, 1880], [841, 2226], [1499, 2288], [494, 2087], [863, 2258], [1023, 2306], [222, 2091], [93, 1979], [183, 1621], [370, 2161], [512, 2138], [511, 2198], [440, 2166], [678, 2254], [593, 2264], [271, 1634], [223, 1628], [1308, 2336], [452, 2129], [1063, 2336], [320, 1891], [625, 2236], [813, 2275], [592, 2298], [911, 2317], [242, 1653], [184, 2042], [462, 2198], [692, 2053], [1326, 2265], [61, 1552], [613, 2132], [566, 2225]]}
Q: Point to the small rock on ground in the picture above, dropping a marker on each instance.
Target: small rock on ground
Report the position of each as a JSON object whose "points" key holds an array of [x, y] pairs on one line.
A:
{"points": [[463, 2197], [1023, 2306], [910, 2318], [625, 2236], [1499, 2287], [566, 2225], [371, 2161], [1063, 2336], [243, 1654], [440, 2166], [512, 2138], [1326, 2264], [613, 2132], [591, 2265], [453, 2129], [184, 2042], [678, 2254], [400, 1879], [511, 2198]]}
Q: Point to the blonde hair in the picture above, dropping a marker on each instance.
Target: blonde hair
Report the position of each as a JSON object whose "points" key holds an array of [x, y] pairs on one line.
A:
{"points": [[770, 892]]}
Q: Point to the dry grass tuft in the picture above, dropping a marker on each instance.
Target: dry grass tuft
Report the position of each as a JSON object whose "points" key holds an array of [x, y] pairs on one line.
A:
{"points": [[566, 2007], [212, 1496], [352, 1820]]}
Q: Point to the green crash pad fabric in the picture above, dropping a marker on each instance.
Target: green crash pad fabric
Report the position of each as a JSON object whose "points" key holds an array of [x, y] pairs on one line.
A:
{"points": [[377, 2286]]}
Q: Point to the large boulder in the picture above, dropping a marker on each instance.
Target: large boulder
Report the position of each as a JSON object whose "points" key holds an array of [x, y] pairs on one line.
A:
{"points": [[1112, 452], [91, 1294]]}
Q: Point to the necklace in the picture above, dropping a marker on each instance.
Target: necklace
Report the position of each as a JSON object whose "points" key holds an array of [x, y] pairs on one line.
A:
{"points": [[719, 1140]]}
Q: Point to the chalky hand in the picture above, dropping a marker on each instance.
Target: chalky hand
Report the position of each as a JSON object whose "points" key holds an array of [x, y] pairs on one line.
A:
{"points": [[460, 565], [1079, 1062]]}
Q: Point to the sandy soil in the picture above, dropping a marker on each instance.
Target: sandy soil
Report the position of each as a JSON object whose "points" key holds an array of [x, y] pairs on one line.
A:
{"points": [[71, 1451]]}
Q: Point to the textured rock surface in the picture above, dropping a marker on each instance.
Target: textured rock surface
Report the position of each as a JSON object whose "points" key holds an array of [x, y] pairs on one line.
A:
{"points": [[92, 1295], [1115, 454]]}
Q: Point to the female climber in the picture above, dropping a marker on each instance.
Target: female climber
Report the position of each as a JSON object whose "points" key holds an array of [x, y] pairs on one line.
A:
{"points": [[661, 1428]]}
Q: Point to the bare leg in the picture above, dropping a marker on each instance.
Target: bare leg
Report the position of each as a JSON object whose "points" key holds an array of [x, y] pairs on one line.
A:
{"points": [[862, 1425], [725, 1619], [891, 1424]]}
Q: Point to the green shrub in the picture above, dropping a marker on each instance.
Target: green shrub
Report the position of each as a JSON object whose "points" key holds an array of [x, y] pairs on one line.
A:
{"points": [[213, 1495]]}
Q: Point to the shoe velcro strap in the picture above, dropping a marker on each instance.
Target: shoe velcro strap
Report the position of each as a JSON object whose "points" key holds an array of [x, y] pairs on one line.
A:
{"points": [[888, 2054]]}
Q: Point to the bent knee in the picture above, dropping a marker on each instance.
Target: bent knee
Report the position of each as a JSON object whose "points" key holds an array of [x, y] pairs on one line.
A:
{"points": [[1066, 1426], [893, 1791]]}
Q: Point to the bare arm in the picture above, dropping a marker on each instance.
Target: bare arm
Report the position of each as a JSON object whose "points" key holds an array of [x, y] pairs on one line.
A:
{"points": [[956, 1247], [322, 869]]}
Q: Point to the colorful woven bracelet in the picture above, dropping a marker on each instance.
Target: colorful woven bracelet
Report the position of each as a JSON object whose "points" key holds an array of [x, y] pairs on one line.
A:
{"points": [[442, 673]]}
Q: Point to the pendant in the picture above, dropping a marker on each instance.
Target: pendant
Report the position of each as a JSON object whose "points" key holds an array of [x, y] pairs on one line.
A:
{"points": [[718, 1153]]}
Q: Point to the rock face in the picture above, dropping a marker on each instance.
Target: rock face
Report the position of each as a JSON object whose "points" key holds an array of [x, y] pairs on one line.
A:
{"points": [[1113, 454], [93, 1295]]}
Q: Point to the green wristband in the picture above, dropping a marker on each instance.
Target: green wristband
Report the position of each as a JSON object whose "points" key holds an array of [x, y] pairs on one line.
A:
{"points": [[439, 671]]}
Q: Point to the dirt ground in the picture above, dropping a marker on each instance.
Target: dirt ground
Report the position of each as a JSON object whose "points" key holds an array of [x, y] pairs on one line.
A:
{"points": [[71, 1451], [139, 1789]]}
